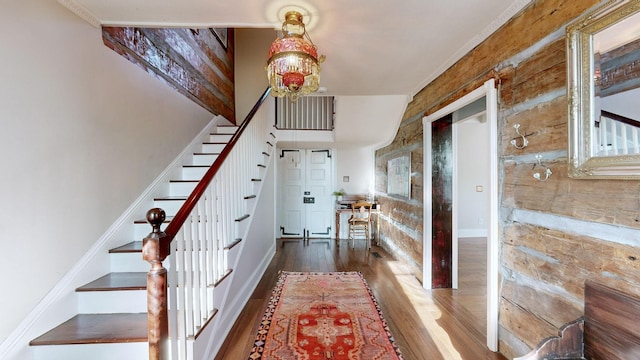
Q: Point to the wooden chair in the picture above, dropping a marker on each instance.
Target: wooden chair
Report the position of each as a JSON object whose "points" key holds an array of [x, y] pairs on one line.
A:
{"points": [[360, 222]]}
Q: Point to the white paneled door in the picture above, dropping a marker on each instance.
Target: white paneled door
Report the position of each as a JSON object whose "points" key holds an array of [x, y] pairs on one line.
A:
{"points": [[305, 200]]}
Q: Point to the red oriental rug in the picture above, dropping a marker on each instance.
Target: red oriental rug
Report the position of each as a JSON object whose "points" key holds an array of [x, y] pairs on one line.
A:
{"points": [[315, 316]]}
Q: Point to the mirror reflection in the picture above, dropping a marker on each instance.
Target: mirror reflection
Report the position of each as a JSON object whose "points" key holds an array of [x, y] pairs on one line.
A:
{"points": [[617, 88], [604, 92]]}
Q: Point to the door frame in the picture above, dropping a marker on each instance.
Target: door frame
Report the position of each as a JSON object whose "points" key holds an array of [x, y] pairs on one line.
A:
{"points": [[488, 89]]}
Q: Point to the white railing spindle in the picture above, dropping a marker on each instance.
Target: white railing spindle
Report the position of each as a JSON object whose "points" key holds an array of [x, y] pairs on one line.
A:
{"points": [[199, 246]]}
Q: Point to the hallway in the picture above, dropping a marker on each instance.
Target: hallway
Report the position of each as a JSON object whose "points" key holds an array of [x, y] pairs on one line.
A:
{"points": [[425, 324]]}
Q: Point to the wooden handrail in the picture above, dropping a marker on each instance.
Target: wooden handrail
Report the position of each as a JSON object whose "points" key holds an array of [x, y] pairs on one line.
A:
{"points": [[156, 248], [620, 118], [182, 214]]}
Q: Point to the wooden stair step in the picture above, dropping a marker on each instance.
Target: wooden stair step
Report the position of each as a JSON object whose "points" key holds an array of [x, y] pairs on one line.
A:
{"points": [[117, 281], [144, 221], [97, 329], [132, 247], [171, 198]]}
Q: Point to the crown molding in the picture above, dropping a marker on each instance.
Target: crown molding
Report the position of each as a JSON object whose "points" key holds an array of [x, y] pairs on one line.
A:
{"points": [[502, 19], [81, 11]]}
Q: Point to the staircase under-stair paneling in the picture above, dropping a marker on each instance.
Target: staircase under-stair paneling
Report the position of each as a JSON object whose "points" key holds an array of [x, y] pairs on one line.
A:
{"points": [[112, 310]]}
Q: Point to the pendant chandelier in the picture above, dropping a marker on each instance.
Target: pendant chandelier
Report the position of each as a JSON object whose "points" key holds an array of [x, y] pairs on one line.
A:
{"points": [[293, 68]]}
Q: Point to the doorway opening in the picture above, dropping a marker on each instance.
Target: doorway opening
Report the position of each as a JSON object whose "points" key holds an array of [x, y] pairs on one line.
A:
{"points": [[483, 99]]}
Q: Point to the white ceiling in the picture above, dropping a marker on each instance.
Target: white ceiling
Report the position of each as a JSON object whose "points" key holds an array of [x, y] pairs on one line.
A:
{"points": [[373, 47]]}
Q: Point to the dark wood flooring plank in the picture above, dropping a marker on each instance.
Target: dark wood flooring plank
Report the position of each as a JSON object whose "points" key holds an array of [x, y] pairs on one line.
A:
{"points": [[425, 324]]}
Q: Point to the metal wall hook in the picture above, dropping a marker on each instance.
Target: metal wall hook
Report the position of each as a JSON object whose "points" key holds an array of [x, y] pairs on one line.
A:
{"points": [[514, 142], [547, 171]]}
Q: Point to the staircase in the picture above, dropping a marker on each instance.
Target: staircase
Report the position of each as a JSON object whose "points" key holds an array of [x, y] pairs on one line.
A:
{"points": [[616, 135], [112, 310]]}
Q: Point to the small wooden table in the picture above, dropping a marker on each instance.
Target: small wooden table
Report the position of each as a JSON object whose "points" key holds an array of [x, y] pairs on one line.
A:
{"points": [[345, 206]]}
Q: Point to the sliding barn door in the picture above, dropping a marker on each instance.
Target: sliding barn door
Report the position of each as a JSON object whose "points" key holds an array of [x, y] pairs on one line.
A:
{"points": [[442, 202], [305, 200]]}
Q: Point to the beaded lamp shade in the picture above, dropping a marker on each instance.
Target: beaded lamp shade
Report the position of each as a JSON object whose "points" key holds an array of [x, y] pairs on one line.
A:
{"points": [[293, 68]]}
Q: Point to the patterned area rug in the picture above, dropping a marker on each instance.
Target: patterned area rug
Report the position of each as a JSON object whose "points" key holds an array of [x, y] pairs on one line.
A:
{"points": [[315, 316]]}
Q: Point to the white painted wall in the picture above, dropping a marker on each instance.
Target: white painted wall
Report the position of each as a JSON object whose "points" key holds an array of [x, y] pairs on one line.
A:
{"points": [[473, 171], [84, 132], [368, 120], [625, 104], [252, 47], [358, 163]]}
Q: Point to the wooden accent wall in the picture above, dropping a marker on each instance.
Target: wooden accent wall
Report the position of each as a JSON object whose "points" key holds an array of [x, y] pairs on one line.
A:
{"points": [[554, 234], [401, 220], [192, 61]]}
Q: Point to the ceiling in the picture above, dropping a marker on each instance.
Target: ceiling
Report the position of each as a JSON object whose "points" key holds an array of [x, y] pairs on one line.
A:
{"points": [[372, 47]]}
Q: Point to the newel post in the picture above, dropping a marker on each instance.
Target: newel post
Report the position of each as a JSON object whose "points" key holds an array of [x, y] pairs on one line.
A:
{"points": [[155, 248]]}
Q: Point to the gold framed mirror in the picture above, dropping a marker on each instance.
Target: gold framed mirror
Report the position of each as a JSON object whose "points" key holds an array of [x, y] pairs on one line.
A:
{"points": [[603, 48]]}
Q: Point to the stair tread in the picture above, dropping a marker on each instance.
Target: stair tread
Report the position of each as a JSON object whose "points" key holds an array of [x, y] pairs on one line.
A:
{"points": [[144, 221], [97, 328], [171, 198], [132, 247], [117, 281]]}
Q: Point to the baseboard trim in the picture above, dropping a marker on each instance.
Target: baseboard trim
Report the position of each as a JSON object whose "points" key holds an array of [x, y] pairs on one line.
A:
{"points": [[56, 306]]}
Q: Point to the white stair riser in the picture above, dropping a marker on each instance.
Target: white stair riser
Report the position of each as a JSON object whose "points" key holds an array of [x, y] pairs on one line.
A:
{"points": [[170, 207], [133, 350], [105, 302], [219, 138], [213, 148], [193, 173], [203, 159], [226, 129], [129, 262], [181, 188]]}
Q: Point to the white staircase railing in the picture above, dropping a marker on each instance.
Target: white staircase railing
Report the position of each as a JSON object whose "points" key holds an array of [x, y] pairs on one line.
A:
{"points": [[616, 137], [306, 113], [200, 242]]}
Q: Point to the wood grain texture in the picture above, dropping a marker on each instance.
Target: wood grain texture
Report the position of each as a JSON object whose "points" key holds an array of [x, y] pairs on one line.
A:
{"points": [[545, 126], [426, 324], [567, 345], [543, 72], [606, 202], [528, 58], [192, 62], [608, 329], [442, 203], [611, 328], [524, 30], [543, 302]]}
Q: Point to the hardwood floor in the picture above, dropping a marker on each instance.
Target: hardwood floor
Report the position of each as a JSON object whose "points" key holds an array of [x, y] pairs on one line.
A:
{"points": [[427, 324]]}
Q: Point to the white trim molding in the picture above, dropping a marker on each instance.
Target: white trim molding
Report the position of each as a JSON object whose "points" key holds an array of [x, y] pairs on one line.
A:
{"points": [[81, 11], [489, 91], [502, 19]]}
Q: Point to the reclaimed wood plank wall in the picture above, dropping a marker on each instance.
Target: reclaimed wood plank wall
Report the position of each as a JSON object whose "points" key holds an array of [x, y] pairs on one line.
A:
{"points": [[192, 61], [554, 234]]}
